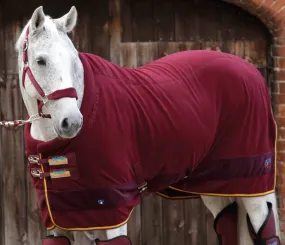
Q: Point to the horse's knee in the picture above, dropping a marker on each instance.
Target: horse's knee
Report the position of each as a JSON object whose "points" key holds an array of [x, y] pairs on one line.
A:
{"points": [[261, 220]]}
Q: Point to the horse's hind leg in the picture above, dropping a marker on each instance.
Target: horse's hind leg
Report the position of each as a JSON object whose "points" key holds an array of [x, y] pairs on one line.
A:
{"points": [[262, 219], [225, 212], [120, 231], [116, 236], [84, 237]]}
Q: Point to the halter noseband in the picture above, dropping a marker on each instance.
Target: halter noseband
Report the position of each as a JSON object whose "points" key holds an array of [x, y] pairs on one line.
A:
{"points": [[58, 94]]}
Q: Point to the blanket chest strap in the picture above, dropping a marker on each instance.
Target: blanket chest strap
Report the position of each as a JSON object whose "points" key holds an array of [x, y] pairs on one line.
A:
{"points": [[142, 184]]}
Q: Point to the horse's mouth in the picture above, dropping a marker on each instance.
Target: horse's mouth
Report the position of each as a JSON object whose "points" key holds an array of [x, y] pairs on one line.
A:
{"points": [[58, 134], [63, 135]]}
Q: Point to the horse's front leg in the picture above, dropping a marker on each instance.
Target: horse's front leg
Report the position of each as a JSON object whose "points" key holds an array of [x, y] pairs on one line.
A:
{"points": [[261, 219]]}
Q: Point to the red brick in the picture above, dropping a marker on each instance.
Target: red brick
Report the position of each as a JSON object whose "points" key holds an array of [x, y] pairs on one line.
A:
{"points": [[280, 99], [267, 9], [280, 75], [281, 192], [264, 4], [282, 227], [281, 87], [280, 33], [279, 62], [280, 121], [281, 201], [279, 40], [279, 25], [281, 135], [280, 157], [258, 3], [280, 145], [281, 211], [280, 181], [279, 16], [263, 14], [279, 50], [277, 5], [281, 110], [281, 169]]}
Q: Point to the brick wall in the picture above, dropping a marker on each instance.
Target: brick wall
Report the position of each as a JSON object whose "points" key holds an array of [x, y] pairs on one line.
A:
{"points": [[272, 14]]}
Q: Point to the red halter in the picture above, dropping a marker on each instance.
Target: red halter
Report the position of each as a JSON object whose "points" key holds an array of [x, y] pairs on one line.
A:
{"points": [[67, 92]]}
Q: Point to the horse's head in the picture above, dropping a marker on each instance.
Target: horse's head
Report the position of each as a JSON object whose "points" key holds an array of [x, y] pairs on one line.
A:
{"points": [[49, 68]]}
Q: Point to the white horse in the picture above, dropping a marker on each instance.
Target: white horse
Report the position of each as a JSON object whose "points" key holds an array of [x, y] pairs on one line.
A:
{"points": [[54, 62]]}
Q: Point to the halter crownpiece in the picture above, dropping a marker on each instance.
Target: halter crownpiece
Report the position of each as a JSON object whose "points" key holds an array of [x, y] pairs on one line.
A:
{"points": [[58, 94]]}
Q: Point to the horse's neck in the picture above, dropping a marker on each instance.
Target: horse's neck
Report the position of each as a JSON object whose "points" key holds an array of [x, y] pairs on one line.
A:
{"points": [[43, 129]]}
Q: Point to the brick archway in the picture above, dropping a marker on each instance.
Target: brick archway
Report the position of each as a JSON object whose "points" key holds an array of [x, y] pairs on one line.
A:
{"points": [[272, 14]]}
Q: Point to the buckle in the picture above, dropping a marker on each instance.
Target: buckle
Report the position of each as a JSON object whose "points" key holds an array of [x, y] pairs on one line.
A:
{"points": [[143, 187], [34, 159], [37, 173], [45, 99], [25, 46]]}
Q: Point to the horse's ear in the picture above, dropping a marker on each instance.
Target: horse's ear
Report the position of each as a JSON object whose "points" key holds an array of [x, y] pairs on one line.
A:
{"points": [[68, 21], [38, 19]]}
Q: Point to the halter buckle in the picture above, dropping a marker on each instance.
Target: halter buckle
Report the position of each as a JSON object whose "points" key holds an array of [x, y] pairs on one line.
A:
{"points": [[25, 46], [45, 99]]}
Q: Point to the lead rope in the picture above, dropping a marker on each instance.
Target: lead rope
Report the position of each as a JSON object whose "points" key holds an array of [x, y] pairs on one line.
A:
{"points": [[17, 123]]}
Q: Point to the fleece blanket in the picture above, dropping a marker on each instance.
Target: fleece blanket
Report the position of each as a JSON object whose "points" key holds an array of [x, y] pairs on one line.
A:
{"points": [[194, 122]]}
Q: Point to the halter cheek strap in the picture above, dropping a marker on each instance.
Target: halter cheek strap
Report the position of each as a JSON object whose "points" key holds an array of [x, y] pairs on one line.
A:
{"points": [[58, 94]]}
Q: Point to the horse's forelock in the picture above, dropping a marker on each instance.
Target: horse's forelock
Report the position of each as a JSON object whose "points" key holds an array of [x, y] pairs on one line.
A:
{"points": [[48, 25]]}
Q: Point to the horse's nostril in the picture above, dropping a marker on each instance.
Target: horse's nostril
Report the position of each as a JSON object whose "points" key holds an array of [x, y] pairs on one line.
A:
{"points": [[65, 124], [69, 125]]}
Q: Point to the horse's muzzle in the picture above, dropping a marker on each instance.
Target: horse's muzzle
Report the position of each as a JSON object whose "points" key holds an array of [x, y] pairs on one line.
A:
{"points": [[69, 127]]}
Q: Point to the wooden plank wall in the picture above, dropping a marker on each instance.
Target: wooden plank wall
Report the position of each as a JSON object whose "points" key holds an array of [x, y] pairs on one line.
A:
{"points": [[130, 33]]}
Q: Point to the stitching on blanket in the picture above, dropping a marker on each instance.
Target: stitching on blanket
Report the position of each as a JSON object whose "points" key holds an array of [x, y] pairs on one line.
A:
{"points": [[93, 112]]}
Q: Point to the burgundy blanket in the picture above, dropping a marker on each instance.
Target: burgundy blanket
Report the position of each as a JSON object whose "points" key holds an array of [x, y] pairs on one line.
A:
{"points": [[199, 122]]}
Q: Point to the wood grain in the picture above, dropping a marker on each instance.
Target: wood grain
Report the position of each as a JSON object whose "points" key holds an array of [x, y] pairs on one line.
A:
{"points": [[130, 33], [14, 177]]}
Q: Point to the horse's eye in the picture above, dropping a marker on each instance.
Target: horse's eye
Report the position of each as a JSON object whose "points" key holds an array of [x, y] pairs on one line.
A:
{"points": [[41, 62]]}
